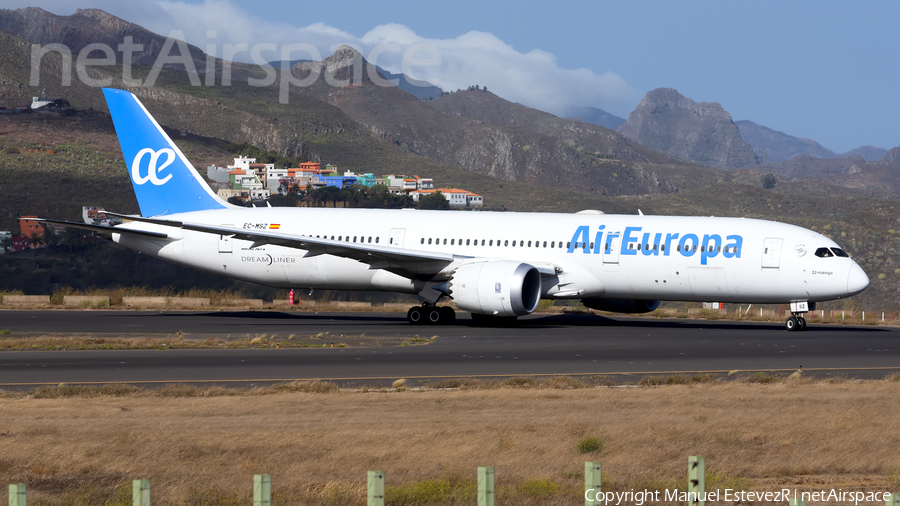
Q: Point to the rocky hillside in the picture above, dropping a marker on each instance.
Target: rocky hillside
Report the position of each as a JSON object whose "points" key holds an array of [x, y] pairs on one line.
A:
{"points": [[480, 132], [701, 132], [810, 167], [85, 27], [892, 156], [488, 108]]}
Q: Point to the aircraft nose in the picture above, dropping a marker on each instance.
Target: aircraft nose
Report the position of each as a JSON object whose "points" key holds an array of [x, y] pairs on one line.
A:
{"points": [[857, 280]]}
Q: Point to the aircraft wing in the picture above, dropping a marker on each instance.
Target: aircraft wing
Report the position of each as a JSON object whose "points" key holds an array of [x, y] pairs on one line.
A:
{"points": [[405, 262]]}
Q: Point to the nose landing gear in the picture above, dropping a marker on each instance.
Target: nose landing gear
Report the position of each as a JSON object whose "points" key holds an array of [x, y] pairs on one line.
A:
{"points": [[797, 323]]}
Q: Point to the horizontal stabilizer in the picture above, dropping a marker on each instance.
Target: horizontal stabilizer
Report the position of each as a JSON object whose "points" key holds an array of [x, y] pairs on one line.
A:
{"points": [[105, 230]]}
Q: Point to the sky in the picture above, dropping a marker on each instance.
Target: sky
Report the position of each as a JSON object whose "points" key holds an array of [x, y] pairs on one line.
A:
{"points": [[822, 70]]}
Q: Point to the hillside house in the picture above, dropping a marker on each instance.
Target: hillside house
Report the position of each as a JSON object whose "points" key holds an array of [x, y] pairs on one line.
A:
{"points": [[20, 243], [474, 200], [29, 227], [243, 163], [249, 165], [93, 215], [424, 183], [457, 198], [401, 184]]}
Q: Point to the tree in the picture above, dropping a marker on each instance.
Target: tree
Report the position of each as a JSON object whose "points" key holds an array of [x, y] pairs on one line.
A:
{"points": [[34, 241], [769, 181], [72, 239], [348, 193], [6, 244], [434, 201], [238, 202], [330, 194]]}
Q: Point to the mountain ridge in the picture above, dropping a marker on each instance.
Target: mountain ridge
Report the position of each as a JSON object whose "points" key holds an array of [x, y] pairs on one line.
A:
{"points": [[478, 144], [779, 146]]}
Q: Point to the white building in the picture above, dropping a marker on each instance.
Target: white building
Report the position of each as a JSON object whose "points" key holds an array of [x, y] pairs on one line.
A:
{"points": [[423, 183], [4, 234], [249, 165], [474, 200], [457, 198], [217, 174], [242, 163]]}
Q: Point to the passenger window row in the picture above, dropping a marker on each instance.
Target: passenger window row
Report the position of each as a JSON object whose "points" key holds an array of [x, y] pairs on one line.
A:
{"points": [[362, 239], [821, 252], [490, 242]]}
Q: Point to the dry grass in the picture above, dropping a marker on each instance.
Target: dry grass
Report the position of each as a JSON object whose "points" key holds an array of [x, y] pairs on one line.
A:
{"points": [[68, 341], [216, 297], [201, 446]]}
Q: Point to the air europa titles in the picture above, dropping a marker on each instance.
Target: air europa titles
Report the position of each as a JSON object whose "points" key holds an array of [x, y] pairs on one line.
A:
{"points": [[632, 241]]}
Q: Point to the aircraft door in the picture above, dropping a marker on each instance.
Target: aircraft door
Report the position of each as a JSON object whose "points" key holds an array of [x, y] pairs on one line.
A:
{"points": [[611, 249], [771, 257], [225, 242], [396, 238]]}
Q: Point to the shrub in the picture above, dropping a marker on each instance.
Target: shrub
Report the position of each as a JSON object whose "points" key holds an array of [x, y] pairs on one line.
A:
{"points": [[761, 377], [538, 488], [589, 444]]}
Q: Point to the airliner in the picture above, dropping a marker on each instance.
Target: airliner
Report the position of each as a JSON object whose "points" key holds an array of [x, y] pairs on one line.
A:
{"points": [[496, 266]]}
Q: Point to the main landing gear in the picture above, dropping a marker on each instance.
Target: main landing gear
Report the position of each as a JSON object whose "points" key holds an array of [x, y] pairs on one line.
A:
{"points": [[431, 315], [795, 323]]}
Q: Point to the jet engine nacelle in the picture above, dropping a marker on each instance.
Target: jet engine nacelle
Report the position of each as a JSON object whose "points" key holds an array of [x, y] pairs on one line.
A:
{"points": [[496, 287], [631, 306]]}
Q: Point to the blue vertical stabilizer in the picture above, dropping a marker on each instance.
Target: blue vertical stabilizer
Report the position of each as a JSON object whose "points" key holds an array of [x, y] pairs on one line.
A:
{"points": [[164, 180]]}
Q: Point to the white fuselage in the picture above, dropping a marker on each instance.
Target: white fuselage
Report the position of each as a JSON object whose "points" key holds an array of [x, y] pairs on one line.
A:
{"points": [[649, 257]]}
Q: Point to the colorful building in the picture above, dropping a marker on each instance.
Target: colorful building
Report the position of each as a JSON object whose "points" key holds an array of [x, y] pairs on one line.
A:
{"points": [[30, 227]]}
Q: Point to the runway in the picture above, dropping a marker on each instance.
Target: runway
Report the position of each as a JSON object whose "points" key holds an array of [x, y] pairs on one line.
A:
{"points": [[570, 344]]}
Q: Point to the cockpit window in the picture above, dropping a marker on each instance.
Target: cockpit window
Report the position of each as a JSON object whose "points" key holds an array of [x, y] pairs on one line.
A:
{"points": [[839, 252], [824, 253]]}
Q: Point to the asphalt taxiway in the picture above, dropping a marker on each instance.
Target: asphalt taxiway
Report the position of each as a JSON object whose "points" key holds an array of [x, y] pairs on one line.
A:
{"points": [[562, 344]]}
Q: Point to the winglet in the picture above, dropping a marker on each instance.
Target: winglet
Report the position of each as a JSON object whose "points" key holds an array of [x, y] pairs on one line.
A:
{"points": [[164, 180]]}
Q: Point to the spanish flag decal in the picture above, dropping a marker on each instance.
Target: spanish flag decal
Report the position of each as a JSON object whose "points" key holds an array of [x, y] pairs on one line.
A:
{"points": [[274, 226]]}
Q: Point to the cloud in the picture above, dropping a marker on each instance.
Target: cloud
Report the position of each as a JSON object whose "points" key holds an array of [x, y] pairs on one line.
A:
{"points": [[534, 78]]}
